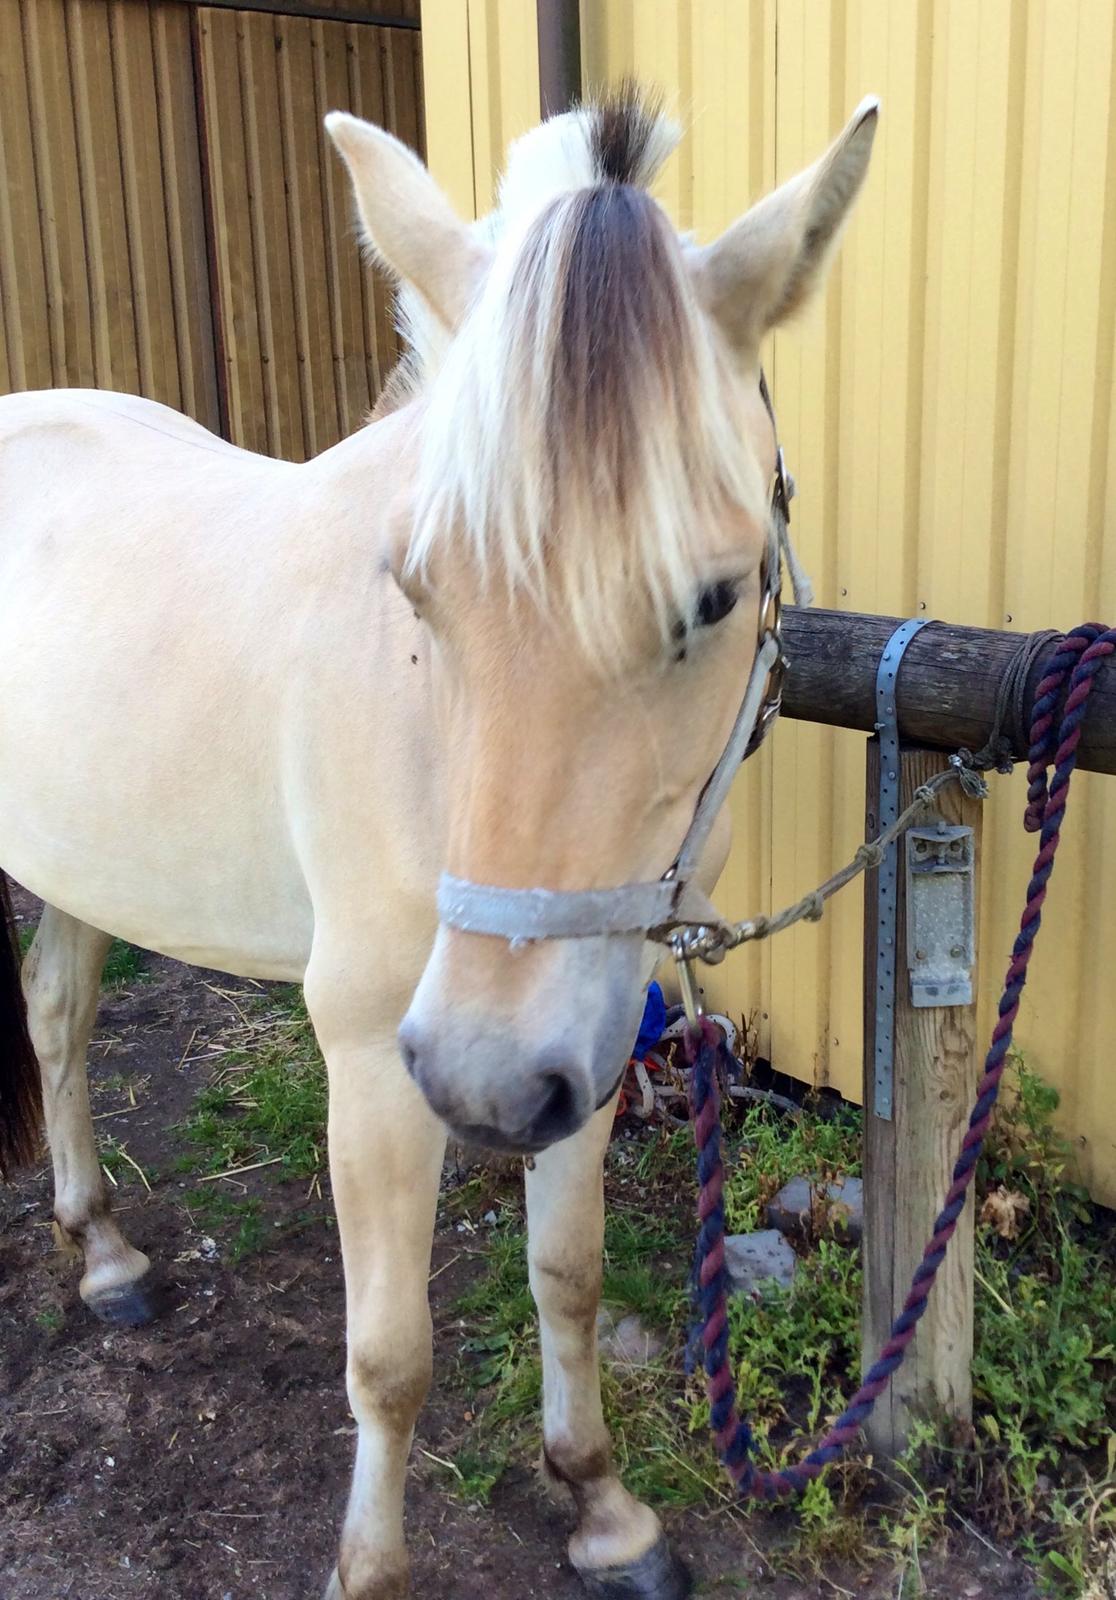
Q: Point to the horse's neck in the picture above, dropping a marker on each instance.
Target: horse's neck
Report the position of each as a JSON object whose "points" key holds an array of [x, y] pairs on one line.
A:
{"points": [[358, 505]]}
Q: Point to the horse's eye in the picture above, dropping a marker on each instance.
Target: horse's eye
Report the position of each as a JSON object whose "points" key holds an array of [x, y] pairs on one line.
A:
{"points": [[715, 603]]}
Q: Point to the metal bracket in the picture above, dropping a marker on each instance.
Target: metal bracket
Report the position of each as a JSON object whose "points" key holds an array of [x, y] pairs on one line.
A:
{"points": [[939, 887], [887, 727]]}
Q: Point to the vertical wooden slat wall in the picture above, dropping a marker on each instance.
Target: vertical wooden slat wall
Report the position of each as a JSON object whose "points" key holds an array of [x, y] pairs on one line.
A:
{"points": [[103, 272], [948, 411], [209, 262], [304, 330]]}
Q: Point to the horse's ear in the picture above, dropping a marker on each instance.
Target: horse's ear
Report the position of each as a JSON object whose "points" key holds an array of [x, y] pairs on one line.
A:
{"points": [[407, 221], [769, 262]]}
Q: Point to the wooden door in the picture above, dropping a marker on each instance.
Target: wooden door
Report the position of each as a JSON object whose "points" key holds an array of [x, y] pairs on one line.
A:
{"points": [[104, 279], [304, 328], [173, 220]]}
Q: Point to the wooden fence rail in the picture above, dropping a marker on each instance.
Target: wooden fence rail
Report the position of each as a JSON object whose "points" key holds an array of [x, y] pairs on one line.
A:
{"points": [[947, 685]]}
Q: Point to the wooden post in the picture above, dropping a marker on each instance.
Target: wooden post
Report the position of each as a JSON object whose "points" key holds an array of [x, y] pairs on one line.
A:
{"points": [[908, 1160]]}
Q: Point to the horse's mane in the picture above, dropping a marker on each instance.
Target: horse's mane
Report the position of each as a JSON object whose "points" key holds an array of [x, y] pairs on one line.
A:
{"points": [[577, 435]]}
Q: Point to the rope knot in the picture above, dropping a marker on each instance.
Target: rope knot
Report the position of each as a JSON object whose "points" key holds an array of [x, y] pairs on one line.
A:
{"points": [[813, 907], [968, 769], [870, 854]]}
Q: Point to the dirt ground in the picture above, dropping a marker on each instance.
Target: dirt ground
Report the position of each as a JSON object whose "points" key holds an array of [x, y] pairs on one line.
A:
{"points": [[207, 1456]]}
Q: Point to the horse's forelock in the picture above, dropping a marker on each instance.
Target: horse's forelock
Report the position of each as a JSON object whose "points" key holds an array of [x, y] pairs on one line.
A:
{"points": [[578, 439]]}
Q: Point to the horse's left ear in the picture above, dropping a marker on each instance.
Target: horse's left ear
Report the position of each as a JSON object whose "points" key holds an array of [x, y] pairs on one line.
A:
{"points": [[768, 264], [407, 220]]}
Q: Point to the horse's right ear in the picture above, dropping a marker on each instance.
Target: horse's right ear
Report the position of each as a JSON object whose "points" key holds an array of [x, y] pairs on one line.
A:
{"points": [[407, 221], [774, 258]]}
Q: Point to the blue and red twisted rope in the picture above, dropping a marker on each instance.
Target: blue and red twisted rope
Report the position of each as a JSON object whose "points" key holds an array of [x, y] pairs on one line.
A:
{"points": [[1078, 657]]}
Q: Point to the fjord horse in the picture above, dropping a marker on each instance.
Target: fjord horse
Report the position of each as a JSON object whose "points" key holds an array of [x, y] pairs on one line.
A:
{"points": [[249, 710]]}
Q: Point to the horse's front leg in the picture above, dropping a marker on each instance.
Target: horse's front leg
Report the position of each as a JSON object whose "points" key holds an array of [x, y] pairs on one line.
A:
{"points": [[385, 1154], [618, 1547]]}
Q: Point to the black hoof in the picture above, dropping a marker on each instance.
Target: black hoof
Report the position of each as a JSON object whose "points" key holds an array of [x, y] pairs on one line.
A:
{"points": [[659, 1575], [132, 1305]]}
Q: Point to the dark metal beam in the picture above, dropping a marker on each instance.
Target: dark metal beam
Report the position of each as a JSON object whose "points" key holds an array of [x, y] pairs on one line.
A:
{"points": [[947, 684], [559, 55], [321, 12]]}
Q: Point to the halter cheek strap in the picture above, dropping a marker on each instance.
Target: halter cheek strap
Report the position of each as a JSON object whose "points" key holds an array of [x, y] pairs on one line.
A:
{"points": [[674, 901]]}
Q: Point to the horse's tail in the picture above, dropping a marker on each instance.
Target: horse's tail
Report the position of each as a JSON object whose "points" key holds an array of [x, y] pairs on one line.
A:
{"points": [[21, 1092]]}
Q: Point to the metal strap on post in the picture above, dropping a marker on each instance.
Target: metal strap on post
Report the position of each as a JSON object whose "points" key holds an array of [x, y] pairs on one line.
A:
{"points": [[887, 727]]}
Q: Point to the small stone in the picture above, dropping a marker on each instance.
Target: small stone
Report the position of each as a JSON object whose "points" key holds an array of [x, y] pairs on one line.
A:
{"points": [[624, 1338], [489, 1218], [790, 1211], [756, 1260]]}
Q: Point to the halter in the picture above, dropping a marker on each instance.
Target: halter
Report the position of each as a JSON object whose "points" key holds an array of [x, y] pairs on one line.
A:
{"points": [[660, 908]]}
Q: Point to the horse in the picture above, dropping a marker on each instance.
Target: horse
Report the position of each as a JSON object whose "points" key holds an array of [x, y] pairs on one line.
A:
{"points": [[249, 709]]}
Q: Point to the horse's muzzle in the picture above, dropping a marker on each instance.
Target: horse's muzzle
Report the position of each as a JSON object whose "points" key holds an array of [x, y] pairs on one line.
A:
{"points": [[545, 1100], [516, 1050]]}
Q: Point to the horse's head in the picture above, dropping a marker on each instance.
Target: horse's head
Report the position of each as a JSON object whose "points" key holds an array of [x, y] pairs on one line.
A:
{"points": [[585, 543]]}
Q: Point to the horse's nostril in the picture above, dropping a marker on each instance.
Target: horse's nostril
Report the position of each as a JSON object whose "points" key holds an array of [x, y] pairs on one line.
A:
{"points": [[410, 1054], [557, 1115]]}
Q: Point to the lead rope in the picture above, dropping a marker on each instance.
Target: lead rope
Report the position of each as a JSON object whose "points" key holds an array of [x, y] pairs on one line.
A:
{"points": [[1078, 658]]}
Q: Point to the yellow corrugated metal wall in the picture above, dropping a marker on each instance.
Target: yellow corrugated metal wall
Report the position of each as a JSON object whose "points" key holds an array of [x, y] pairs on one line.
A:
{"points": [[947, 411]]}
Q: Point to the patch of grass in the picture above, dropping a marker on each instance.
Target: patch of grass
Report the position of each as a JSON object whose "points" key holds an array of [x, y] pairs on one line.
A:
{"points": [[767, 1150], [238, 1223], [1041, 1472], [124, 965], [51, 1319], [473, 1474], [121, 1166], [269, 1101]]}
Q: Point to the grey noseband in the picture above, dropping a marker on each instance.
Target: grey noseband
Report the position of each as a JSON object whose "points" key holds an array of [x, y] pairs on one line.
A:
{"points": [[674, 901]]}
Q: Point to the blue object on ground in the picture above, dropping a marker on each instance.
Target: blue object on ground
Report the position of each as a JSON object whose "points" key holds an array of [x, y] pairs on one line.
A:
{"points": [[654, 1021]]}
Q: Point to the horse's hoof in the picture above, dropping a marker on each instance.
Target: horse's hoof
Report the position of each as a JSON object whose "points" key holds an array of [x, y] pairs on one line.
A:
{"points": [[658, 1575], [396, 1585], [130, 1305]]}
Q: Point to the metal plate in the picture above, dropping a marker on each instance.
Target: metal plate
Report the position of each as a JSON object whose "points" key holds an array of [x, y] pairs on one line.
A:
{"points": [[939, 904]]}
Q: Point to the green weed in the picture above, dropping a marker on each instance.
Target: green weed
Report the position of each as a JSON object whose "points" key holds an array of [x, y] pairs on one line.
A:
{"points": [[270, 1100]]}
